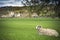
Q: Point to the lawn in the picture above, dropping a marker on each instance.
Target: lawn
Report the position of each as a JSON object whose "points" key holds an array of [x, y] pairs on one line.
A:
{"points": [[24, 28]]}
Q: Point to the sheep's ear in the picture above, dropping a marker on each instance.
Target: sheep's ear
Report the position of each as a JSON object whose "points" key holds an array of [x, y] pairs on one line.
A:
{"points": [[36, 27]]}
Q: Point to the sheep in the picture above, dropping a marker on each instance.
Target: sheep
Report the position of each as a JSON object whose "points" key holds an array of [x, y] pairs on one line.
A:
{"points": [[46, 31]]}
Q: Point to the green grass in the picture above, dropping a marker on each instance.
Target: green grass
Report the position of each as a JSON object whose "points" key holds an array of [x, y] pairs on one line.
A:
{"points": [[24, 29]]}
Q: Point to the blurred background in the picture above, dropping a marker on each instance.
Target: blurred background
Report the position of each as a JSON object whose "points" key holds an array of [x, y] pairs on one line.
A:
{"points": [[18, 19]]}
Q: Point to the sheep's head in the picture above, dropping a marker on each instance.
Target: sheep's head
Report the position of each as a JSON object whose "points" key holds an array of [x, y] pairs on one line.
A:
{"points": [[38, 27]]}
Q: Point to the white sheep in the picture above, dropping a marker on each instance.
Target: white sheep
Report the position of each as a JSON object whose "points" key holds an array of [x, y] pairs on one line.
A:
{"points": [[46, 31]]}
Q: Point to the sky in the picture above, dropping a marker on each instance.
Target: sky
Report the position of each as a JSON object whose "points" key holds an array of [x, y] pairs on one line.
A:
{"points": [[10, 3]]}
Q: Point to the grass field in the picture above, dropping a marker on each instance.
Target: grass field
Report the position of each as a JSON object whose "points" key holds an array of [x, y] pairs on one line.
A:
{"points": [[24, 29]]}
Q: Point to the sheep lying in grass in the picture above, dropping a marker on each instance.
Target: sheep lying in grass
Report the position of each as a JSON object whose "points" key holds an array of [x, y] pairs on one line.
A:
{"points": [[49, 32]]}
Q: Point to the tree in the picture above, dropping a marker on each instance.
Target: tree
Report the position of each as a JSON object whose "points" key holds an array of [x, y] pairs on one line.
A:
{"points": [[57, 8], [35, 5], [38, 5]]}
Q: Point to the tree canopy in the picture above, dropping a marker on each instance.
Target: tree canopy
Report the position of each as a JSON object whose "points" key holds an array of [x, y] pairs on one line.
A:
{"points": [[38, 6]]}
